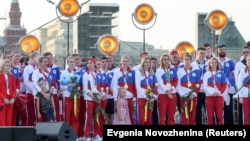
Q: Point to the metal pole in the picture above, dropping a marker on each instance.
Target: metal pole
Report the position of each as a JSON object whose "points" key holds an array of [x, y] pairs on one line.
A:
{"points": [[143, 40], [68, 41]]}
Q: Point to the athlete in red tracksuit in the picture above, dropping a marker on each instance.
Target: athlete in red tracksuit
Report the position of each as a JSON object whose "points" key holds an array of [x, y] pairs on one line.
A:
{"points": [[7, 94], [92, 83], [188, 86], [27, 79], [167, 81], [124, 77], [145, 79], [214, 84], [71, 106], [243, 81], [16, 71], [80, 70]]}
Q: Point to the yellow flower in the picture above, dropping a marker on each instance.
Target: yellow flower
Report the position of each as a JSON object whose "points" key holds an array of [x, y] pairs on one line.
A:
{"points": [[148, 91]]}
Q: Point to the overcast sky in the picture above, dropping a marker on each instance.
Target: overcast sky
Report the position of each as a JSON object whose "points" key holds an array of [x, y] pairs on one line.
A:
{"points": [[175, 18]]}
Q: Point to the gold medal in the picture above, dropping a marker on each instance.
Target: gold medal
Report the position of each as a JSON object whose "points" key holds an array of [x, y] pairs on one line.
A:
{"points": [[125, 86], [189, 84], [8, 92]]}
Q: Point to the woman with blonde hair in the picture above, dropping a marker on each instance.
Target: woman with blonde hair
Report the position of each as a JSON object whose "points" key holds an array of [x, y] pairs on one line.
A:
{"points": [[215, 83], [167, 81], [124, 77], [7, 94], [145, 81]]}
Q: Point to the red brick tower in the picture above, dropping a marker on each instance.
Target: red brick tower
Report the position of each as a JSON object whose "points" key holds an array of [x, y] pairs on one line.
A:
{"points": [[14, 31]]}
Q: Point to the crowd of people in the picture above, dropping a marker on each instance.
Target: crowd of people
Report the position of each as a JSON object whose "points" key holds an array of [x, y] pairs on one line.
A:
{"points": [[34, 89]]}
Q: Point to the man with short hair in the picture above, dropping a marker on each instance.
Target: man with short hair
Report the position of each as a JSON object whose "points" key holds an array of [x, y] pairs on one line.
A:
{"points": [[227, 66], [208, 48], [200, 64]]}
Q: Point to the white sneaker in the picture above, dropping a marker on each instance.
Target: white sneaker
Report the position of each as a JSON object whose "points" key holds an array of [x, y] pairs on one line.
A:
{"points": [[88, 139], [80, 139], [97, 138]]}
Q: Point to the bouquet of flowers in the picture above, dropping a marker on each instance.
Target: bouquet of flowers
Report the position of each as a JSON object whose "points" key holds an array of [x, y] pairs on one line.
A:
{"points": [[186, 98], [148, 105], [74, 90], [98, 109], [150, 95]]}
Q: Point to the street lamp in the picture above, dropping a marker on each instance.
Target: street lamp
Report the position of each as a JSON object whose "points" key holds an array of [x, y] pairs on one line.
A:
{"points": [[68, 9], [143, 15], [183, 48], [29, 44], [216, 21], [107, 44]]}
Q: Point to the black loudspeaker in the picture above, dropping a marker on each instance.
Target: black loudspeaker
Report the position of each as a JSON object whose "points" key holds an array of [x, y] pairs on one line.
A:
{"points": [[18, 133], [55, 131]]}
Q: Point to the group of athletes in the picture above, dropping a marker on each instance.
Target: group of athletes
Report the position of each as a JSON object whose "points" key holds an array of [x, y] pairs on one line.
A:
{"points": [[34, 89]]}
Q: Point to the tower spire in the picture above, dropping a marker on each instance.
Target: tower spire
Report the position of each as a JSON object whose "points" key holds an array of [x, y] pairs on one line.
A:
{"points": [[15, 14]]}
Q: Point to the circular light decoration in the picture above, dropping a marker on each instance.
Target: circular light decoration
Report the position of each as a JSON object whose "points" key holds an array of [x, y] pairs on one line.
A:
{"points": [[217, 20], [68, 8], [29, 44], [183, 48], [107, 44], [144, 13]]}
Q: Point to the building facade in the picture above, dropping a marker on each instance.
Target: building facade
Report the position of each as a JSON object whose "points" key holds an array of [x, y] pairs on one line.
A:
{"points": [[101, 19], [56, 38]]}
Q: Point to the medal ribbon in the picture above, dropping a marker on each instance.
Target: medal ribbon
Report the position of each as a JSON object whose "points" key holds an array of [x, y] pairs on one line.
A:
{"points": [[187, 74], [124, 77], [213, 78], [146, 77]]}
